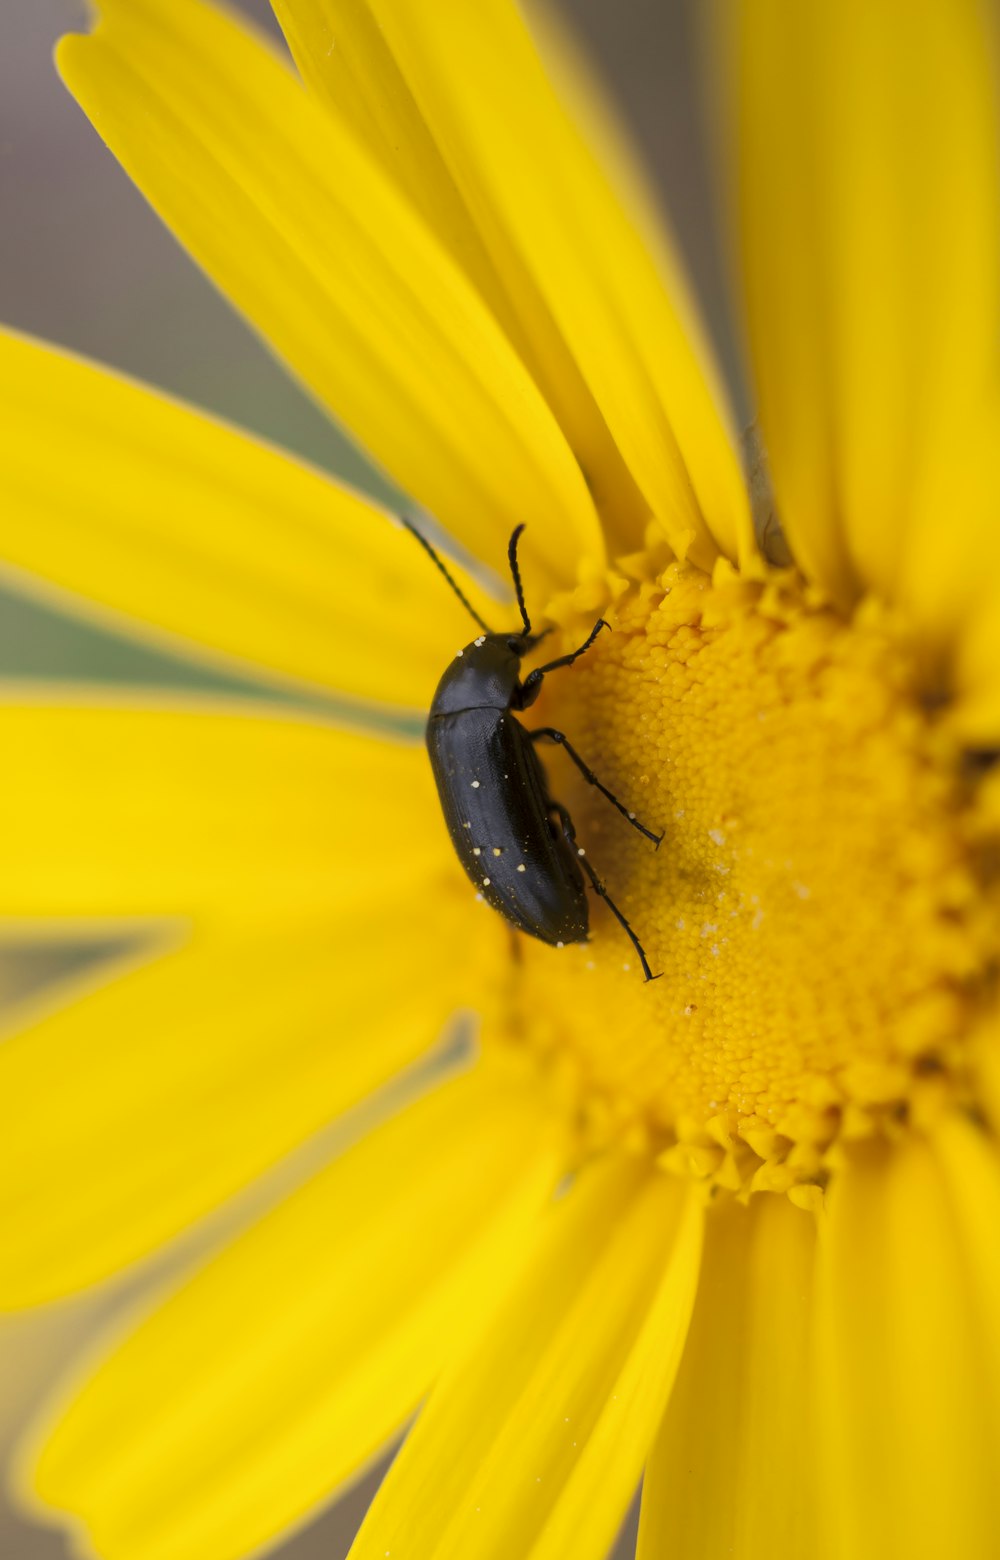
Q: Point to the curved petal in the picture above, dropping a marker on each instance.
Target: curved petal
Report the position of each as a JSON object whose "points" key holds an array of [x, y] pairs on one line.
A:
{"points": [[192, 529], [865, 159], [303, 231], [276, 1372], [266, 880], [950, 580], [970, 1166], [731, 1470], [611, 328], [144, 1102], [533, 1442], [909, 1426]]}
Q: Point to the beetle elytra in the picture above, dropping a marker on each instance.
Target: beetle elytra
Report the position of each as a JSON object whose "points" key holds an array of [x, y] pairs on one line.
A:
{"points": [[516, 843]]}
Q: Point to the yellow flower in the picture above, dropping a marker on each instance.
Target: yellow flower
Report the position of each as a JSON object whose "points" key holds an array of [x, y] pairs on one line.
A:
{"points": [[771, 1278]]}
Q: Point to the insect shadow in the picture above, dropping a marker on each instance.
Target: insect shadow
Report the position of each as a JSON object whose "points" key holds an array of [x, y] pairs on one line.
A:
{"points": [[515, 841]]}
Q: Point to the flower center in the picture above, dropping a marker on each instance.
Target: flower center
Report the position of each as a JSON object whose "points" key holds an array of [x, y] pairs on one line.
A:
{"points": [[818, 913]]}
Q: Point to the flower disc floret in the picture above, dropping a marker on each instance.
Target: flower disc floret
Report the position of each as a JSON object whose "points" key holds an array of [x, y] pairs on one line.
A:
{"points": [[816, 908]]}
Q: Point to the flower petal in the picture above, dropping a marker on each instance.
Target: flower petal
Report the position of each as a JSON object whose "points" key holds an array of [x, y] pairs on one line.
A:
{"points": [[731, 1470], [266, 880], [908, 1427], [866, 158], [303, 231], [178, 812], [179, 1081], [281, 1368], [345, 60], [609, 325], [533, 1443], [970, 1166], [950, 579], [194, 529]]}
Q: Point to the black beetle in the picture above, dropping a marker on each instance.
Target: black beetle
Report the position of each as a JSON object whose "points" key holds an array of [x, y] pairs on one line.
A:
{"points": [[493, 789]]}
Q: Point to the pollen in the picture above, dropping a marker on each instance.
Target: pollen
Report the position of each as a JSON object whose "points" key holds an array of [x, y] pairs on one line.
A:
{"points": [[823, 907]]}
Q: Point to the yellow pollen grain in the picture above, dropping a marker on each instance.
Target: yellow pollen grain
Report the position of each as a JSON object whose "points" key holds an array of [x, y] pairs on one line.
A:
{"points": [[815, 909]]}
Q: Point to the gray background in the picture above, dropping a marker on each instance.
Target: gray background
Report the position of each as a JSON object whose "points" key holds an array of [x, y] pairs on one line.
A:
{"points": [[83, 262]]}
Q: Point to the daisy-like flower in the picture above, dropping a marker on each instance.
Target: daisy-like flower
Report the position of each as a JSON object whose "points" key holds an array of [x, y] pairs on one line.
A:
{"points": [[737, 1228]]}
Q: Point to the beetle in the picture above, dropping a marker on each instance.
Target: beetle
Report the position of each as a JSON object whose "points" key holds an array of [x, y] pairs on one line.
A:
{"points": [[515, 841]]}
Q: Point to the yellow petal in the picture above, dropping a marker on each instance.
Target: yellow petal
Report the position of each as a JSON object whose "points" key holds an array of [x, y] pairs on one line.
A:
{"points": [[345, 59], [533, 1442], [608, 320], [730, 1470], [198, 531], [865, 159], [908, 1443], [951, 578], [281, 1367], [304, 232], [146, 1101], [344, 55], [267, 882], [175, 812], [970, 1166]]}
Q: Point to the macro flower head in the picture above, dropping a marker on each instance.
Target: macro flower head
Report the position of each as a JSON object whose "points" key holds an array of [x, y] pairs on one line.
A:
{"points": [[731, 1232]]}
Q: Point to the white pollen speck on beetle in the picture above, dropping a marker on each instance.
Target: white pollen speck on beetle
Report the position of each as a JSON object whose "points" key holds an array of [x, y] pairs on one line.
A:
{"points": [[560, 945], [486, 882], [498, 850], [522, 867], [475, 785], [458, 653], [580, 851], [476, 850], [467, 825], [480, 641]]}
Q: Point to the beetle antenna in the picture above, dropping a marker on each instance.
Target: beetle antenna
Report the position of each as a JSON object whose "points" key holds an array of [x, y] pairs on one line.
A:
{"points": [[515, 573], [466, 603]]}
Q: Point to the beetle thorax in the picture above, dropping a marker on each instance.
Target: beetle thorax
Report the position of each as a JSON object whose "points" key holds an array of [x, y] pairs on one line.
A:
{"points": [[484, 674]]}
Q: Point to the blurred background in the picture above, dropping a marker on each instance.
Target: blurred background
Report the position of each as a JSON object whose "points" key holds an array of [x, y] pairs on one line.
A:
{"points": [[85, 263]]}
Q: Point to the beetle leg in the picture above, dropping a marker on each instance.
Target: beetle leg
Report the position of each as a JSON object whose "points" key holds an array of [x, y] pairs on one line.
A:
{"points": [[591, 778], [534, 678], [516, 953], [570, 835]]}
